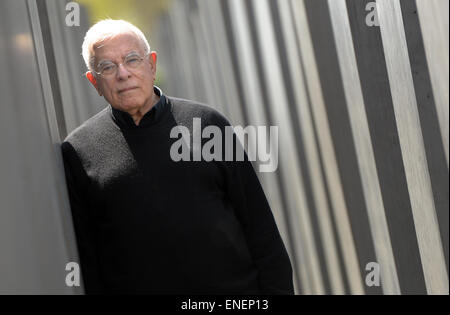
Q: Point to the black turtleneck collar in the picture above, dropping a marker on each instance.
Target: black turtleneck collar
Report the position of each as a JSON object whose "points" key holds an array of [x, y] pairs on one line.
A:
{"points": [[125, 121]]}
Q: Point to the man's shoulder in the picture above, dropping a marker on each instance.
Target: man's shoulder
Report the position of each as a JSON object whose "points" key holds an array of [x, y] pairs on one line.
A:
{"points": [[187, 109], [91, 128]]}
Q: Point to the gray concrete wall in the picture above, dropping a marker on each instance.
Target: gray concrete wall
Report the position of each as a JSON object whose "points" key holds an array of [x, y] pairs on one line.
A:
{"points": [[363, 117]]}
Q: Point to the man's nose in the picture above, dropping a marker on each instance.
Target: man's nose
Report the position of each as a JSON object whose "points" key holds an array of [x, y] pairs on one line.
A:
{"points": [[122, 72]]}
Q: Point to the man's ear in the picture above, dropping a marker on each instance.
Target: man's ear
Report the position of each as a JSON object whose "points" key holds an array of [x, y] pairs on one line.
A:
{"points": [[93, 81], [153, 59]]}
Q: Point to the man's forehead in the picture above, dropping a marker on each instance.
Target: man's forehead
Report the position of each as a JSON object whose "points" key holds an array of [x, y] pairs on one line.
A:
{"points": [[117, 46]]}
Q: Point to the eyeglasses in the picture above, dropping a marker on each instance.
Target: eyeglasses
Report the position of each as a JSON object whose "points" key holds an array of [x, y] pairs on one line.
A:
{"points": [[109, 68]]}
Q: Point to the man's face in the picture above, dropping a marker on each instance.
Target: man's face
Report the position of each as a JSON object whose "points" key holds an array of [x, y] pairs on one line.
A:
{"points": [[128, 89]]}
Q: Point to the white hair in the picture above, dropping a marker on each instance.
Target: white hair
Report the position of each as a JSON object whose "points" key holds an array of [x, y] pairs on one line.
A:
{"points": [[106, 29]]}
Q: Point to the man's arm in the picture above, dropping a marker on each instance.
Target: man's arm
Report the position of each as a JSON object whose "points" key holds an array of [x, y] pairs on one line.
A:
{"points": [[263, 237], [253, 211], [83, 219]]}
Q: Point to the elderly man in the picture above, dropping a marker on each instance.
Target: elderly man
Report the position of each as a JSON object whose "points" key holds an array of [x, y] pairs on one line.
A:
{"points": [[146, 223]]}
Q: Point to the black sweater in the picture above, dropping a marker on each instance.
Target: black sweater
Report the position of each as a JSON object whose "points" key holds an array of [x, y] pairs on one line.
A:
{"points": [[146, 224]]}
